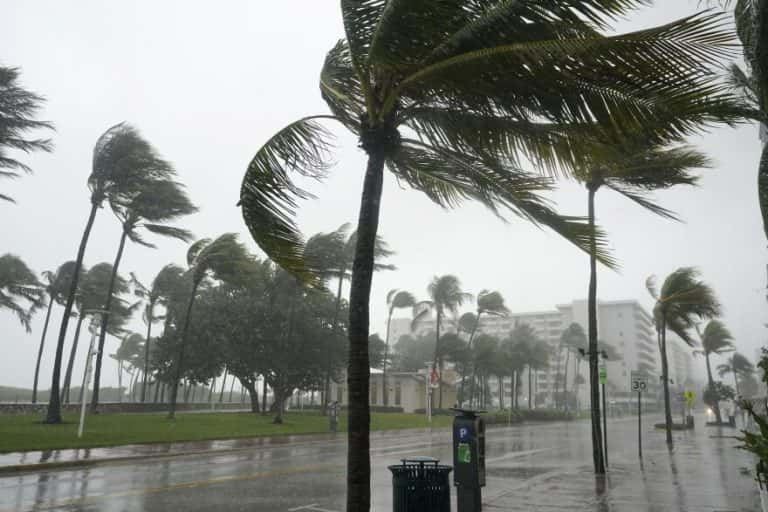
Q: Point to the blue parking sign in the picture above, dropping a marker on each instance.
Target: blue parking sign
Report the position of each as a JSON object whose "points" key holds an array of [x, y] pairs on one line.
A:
{"points": [[465, 433]]}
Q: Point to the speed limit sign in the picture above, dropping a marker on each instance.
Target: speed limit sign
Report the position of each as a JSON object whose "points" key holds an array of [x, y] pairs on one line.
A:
{"points": [[639, 382]]}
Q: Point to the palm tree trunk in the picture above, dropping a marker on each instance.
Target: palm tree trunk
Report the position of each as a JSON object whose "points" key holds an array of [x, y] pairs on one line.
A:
{"points": [[71, 363], [437, 364], [665, 380], [556, 399], [54, 402], [469, 347], [736, 381], [501, 391], [530, 387], [231, 390], [105, 323], [385, 396], [150, 313], [594, 384], [711, 382], [334, 326], [180, 359], [263, 396], [358, 373], [120, 381], [223, 385], [565, 376], [40, 350]]}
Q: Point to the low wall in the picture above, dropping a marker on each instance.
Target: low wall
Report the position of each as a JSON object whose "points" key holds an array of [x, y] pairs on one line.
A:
{"points": [[114, 407]]}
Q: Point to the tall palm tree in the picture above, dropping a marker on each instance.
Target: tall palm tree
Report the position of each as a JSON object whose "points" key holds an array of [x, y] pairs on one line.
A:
{"points": [[89, 301], [631, 173], [478, 85], [490, 303], [117, 168], [331, 256], [18, 108], [715, 339], [20, 290], [540, 356], [155, 202], [157, 294], [682, 298], [127, 351], [738, 365], [752, 26], [56, 287], [446, 296], [396, 299], [571, 339], [224, 259], [521, 346]]}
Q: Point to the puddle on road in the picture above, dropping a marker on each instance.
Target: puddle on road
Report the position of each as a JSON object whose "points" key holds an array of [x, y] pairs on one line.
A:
{"points": [[518, 472]]}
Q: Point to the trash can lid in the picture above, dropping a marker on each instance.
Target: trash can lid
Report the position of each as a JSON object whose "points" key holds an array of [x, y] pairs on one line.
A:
{"points": [[420, 460]]}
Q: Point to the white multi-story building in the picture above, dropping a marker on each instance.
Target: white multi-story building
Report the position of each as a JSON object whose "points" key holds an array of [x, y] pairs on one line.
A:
{"points": [[623, 325]]}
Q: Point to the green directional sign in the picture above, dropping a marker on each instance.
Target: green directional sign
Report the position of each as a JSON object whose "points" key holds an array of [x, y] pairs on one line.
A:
{"points": [[603, 374]]}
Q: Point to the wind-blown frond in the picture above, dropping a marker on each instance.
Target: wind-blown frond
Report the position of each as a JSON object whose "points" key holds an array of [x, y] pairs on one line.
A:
{"points": [[169, 231], [340, 87], [269, 197]]}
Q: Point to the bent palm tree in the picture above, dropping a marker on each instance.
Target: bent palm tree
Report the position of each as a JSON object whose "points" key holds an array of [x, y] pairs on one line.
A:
{"points": [[117, 154], [331, 256], [479, 85], [737, 364], [446, 296], [682, 297], [18, 283], [632, 174], [56, 287], [223, 259], [488, 302], [157, 294], [156, 201], [18, 107], [715, 339], [396, 299]]}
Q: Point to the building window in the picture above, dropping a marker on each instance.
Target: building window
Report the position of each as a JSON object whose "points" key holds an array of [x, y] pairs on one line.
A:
{"points": [[398, 393], [373, 393]]}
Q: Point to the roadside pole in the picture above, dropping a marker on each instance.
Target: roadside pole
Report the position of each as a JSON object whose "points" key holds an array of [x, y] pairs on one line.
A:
{"points": [[639, 425], [95, 321], [603, 373], [639, 383]]}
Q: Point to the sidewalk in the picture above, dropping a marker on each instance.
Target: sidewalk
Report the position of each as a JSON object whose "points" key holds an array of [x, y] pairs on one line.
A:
{"points": [[704, 473]]}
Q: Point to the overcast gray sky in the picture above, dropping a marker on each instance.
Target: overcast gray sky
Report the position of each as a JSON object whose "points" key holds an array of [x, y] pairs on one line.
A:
{"points": [[207, 83]]}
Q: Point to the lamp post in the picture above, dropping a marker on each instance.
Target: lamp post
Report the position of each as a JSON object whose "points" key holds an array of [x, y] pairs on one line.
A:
{"points": [[95, 322]]}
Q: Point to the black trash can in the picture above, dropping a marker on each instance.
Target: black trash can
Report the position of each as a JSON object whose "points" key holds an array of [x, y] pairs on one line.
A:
{"points": [[421, 484]]}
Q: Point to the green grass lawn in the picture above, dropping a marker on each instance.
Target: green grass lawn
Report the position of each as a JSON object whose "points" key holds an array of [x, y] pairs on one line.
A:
{"points": [[22, 433]]}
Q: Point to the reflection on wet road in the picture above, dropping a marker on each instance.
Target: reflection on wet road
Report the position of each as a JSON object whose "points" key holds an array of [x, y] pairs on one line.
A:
{"points": [[533, 467]]}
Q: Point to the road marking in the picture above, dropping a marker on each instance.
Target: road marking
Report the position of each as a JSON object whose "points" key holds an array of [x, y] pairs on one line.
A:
{"points": [[192, 485], [312, 507]]}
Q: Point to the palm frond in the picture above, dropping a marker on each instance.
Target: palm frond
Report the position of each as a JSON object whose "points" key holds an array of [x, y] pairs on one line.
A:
{"points": [[170, 231], [268, 196], [642, 199], [340, 87]]}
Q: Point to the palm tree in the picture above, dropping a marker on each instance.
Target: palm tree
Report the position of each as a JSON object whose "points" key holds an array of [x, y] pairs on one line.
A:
{"points": [[571, 339], [520, 348], [156, 201], [18, 108], [331, 256], [224, 259], [117, 169], [632, 174], [715, 339], [20, 291], [682, 297], [56, 287], [752, 26], [446, 296], [89, 301], [479, 85], [737, 364], [488, 302], [539, 361], [396, 299], [126, 352], [157, 294]]}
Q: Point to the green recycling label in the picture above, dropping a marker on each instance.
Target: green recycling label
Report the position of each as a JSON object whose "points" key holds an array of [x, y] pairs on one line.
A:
{"points": [[603, 374], [465, 454]]}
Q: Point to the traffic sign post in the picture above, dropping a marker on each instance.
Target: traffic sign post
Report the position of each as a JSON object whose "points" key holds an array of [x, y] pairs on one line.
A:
{"points": [[639, 383], [603, 374]]}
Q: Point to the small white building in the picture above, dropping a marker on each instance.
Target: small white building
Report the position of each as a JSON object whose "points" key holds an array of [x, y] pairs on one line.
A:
{"points": [[406, 389]]}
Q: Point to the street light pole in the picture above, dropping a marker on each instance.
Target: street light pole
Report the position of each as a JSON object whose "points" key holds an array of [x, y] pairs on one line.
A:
{"points": [[95, 321]]}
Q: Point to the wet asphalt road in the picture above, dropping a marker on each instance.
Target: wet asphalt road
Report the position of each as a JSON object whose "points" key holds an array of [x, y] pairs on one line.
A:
{"points": [[542, 467]]}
